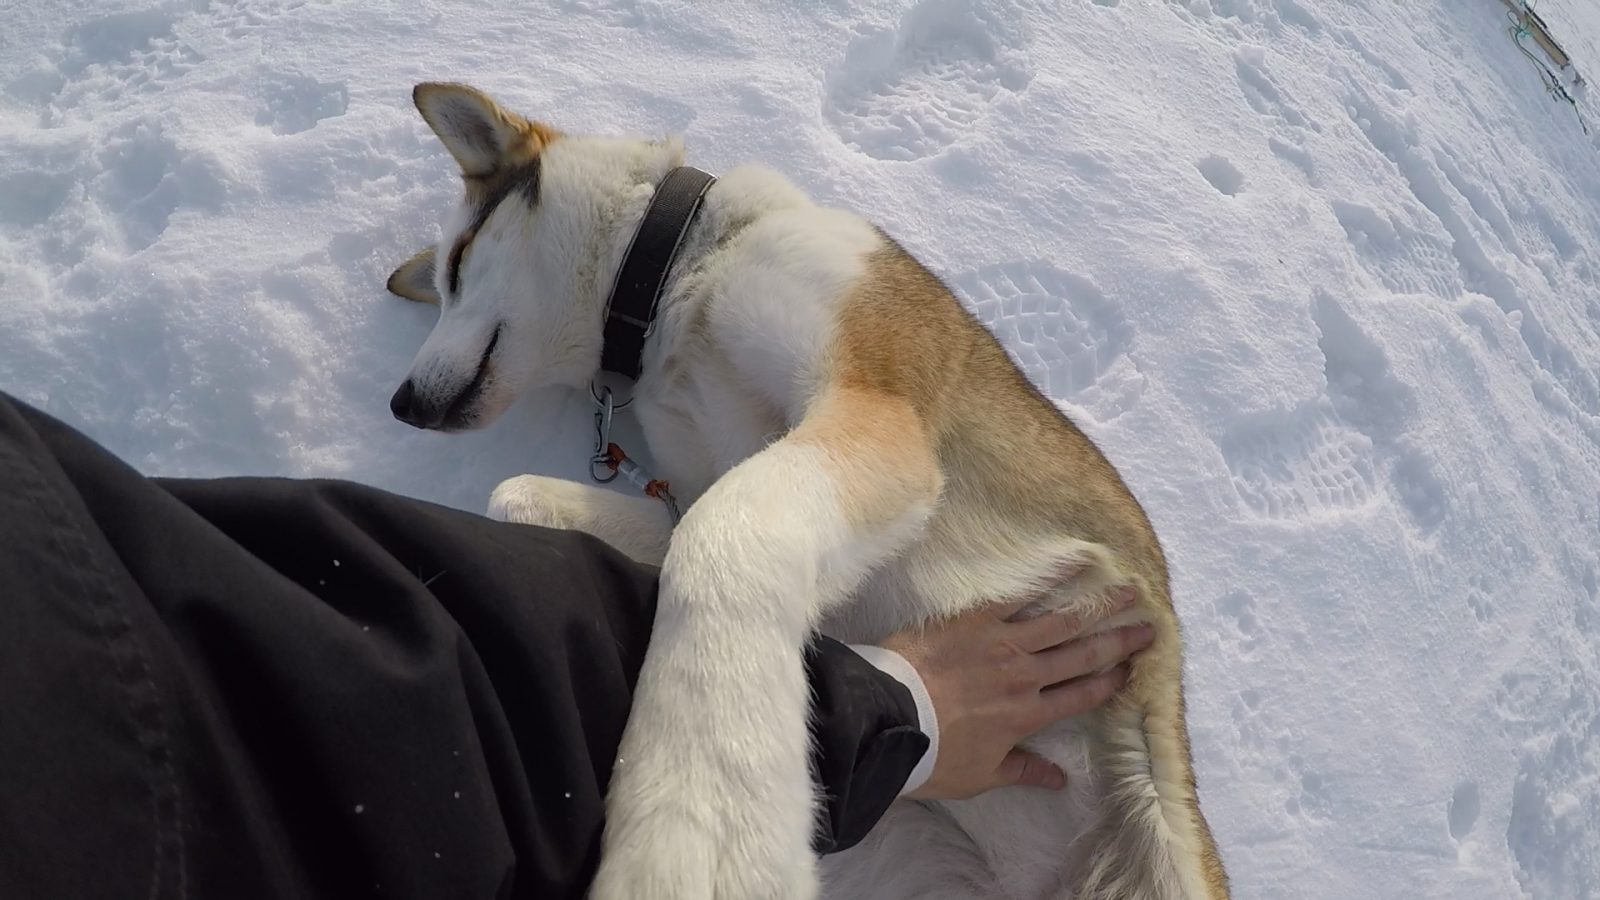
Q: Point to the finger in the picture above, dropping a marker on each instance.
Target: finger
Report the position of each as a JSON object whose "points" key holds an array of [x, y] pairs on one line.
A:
{"points": [[1051, 629], [1121, 597], [1062, 574], [1026, 769], [1004, 611], [1078, 697], [1046, 631], [1091, 654]]}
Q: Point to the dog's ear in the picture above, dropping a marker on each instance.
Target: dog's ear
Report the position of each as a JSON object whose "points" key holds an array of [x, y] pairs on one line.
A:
{"points": [[414, 279], [477, 131]]}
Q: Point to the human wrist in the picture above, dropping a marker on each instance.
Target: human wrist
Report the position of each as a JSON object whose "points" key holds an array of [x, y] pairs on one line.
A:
{"points": [[896, 666]]}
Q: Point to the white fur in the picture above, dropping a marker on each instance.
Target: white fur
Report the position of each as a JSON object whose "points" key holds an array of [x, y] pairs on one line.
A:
{"points": [[540, 274], [711, 797], [638, 526], [746, 575]]}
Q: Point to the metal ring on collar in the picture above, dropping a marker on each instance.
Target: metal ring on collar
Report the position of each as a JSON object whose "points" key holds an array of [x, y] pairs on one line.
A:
{"points": [[601, 400]]}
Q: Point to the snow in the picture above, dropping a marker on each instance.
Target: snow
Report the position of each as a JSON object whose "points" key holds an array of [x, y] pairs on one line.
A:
{"points": [[1320, 276]]}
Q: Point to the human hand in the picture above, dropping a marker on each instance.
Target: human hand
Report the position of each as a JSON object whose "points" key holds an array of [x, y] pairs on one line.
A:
{"points": [[994, 682]]}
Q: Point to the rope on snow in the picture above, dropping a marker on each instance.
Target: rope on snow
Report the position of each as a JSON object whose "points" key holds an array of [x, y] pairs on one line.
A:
{"points": [[1522, 22]]}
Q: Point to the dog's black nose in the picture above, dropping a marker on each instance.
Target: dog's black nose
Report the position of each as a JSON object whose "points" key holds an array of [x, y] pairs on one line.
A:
{"points": [[400, 403]]}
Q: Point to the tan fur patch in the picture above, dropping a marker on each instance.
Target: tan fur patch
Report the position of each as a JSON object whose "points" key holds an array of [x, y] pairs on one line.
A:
{"points": [[517, 157], [912, 370], [882, 457], [543, 134]]}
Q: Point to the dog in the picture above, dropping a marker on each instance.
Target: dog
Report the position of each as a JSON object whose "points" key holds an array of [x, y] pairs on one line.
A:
{"points": [[857, 455]]}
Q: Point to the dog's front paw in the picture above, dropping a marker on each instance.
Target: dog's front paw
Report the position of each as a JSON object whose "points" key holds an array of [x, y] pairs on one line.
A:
{"points": [[672, 838], [537, 500]]}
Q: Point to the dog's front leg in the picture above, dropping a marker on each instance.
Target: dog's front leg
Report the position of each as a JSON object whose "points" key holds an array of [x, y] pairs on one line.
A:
{"points": [[711, 796]]}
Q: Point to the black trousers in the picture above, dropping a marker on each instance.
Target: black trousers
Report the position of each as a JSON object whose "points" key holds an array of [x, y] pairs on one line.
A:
{"points": [[250, 688]]}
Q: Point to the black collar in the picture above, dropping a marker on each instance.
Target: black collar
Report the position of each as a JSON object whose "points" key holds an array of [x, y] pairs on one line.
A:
{"points": [[631, 309]]}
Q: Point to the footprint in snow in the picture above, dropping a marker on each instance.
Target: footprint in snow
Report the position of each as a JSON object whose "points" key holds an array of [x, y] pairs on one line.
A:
{"points": [[1299, 463], [1238, 609], [290, 104], [1067, 336], [1462, 814], [1367, 394], [1297, 156], [1554, 827], [32, 196], [1223, 175], [1374, 61], [241, 18], [1478, 599], [1246, 720], [1478, 269], [1262, 93], [106, 58], [1587, 613], [145, 177], [1407, 259], [913, 91], [1309, 793]]}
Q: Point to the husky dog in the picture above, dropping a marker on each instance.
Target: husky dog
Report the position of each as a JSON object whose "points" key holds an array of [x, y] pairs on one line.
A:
{"points": [[856, 455]]}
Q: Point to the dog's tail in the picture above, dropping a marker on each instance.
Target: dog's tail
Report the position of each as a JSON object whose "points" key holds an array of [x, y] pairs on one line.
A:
{"points": [[1150, 840]]}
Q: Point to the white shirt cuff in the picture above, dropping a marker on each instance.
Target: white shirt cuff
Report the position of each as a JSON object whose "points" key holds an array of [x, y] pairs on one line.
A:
{"points": [[895, 666]]}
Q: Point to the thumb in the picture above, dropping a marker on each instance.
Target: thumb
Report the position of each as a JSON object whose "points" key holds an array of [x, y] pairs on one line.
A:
{"points": [[1026, 769]]}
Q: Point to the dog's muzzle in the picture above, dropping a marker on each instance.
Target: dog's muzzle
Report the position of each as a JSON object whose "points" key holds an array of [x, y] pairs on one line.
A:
{"points": [[449, 413]]}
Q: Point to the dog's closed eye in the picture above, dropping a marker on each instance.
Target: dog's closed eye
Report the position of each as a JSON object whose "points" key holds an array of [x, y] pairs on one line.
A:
{"points": [[457, 259]]}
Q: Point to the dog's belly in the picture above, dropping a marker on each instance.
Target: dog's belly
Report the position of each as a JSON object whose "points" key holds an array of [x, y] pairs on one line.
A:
{"points": [[1012, 843], [1027, 835], [1007, 844]]}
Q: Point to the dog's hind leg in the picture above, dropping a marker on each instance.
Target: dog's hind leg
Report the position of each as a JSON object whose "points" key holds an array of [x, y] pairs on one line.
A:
{"points": [[638, 526]]}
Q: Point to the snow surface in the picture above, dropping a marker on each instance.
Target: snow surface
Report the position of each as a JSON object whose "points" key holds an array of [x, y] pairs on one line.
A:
{"points": [[1320, 276]]}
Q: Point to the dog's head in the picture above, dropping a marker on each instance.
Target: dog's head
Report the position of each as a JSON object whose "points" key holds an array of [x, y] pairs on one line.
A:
{"points": [[524, 264]]}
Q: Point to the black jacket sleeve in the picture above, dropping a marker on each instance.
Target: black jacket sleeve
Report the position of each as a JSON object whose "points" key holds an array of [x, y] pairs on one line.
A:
{"points": [[865, 742], [253, 688]]}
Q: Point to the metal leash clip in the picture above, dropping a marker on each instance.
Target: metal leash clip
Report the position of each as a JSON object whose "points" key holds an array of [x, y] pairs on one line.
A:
{"points": [[602, 436], [608, 460]]}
